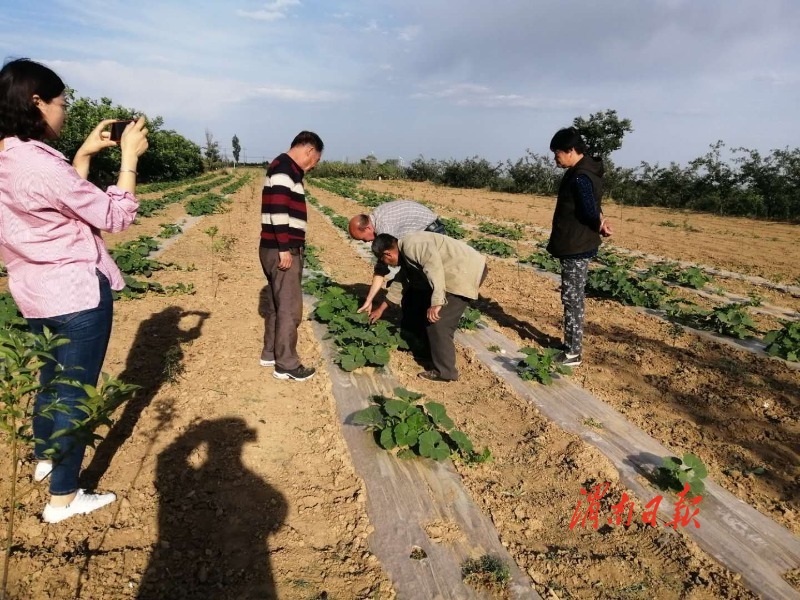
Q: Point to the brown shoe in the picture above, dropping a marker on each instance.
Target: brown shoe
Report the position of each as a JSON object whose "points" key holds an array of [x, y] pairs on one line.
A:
{"points": [[433, 376]]}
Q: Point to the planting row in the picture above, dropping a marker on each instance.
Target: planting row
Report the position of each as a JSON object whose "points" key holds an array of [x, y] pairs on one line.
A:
{"points": [[197, 204], [616, 279], [361, 344]]}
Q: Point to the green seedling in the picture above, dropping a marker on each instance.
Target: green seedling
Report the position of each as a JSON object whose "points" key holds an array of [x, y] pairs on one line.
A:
{"points": [[543, 260], [132, 257], [169, 230], [538, 365], [359, 344], [453, 228], [492, 247], [510, 233], [676, 472], [470, 320], [626, 287], [411, 428], [22, 355]]}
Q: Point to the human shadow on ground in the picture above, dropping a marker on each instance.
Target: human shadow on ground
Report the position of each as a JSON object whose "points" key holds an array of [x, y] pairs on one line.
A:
{"points": [[525, 330], [214, 519], [155, 351]]}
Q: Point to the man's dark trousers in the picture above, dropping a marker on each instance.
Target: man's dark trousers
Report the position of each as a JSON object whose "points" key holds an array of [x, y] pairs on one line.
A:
{"points": [[441, 334], [283, 310]]}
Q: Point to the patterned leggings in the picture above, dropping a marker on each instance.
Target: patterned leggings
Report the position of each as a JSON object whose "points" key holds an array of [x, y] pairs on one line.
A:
{"points": [[573, 295]]}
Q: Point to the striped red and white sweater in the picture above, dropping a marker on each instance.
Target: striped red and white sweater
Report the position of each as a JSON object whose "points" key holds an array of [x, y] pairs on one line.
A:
{"points": [[283, 206]]}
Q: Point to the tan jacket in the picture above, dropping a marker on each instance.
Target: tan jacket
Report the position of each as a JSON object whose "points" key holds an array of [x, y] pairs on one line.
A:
{"points": [[447, 265]]}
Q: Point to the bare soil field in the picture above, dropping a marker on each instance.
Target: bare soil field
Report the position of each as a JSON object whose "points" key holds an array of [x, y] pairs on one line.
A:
{"points": [[767, 249], [235, 485], [735, 410], [532, 485], [231, 484]]}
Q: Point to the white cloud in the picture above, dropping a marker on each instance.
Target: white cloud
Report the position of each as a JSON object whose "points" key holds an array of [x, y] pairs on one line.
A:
{"points": [[271, 11], [475, 95], [409, 34], [371, 27], [164, 92], [290, 94]]}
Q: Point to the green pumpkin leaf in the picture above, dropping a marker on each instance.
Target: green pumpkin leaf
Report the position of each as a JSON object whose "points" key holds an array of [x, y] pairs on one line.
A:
{"points": [[439, 415], [461, 440], [407, 395], [348, 363], [370, 417], [386, 439], [395, 408]]}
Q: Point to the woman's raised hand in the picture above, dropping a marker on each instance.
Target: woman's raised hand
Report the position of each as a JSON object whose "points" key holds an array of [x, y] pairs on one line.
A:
{"points": [[97, 140], [134, 140]]}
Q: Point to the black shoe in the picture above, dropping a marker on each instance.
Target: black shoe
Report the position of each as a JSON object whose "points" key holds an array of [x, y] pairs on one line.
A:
{"points": [[301, 373], [567, 359], [432, 376]]}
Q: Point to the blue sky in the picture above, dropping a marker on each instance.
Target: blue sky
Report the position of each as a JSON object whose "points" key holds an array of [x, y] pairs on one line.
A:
{"points": [[439, 78]]}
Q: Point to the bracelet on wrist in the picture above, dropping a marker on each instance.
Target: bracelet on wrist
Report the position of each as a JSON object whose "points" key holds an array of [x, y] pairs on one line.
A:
{"points": [[128, 171]]}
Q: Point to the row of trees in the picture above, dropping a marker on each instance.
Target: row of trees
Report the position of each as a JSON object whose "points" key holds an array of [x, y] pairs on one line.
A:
{"points": [[170, 155], [747, 183]]}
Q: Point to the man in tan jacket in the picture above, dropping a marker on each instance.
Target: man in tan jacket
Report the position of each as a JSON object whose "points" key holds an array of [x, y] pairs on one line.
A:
{"points": [[438, 278]]}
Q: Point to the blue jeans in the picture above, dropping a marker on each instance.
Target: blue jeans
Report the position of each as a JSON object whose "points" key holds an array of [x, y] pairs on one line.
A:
{"points": [[88, 332]]}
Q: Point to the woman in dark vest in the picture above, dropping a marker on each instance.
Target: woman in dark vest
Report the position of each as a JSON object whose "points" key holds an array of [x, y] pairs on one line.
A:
{"points": [[578, 224]]}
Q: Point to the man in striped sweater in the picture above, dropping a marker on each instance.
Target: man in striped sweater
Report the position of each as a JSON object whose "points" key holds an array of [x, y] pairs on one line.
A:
{"points": [[283, 240]]}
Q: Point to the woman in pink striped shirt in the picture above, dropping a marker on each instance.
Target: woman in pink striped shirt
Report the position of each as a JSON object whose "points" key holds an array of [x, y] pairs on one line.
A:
{"points": [[60, 273]]}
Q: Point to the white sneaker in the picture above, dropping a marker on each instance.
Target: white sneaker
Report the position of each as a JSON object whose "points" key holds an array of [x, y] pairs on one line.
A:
{"points": [[83, 504], [42, 470], [266, 363]]}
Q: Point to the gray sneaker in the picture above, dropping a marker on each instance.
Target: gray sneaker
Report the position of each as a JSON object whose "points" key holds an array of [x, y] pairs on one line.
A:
{"points": [[301, 373], [567, 359]]}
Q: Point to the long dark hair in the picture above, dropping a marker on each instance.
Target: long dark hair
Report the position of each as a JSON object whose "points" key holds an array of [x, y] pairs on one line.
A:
{"points": [[20, 80]]}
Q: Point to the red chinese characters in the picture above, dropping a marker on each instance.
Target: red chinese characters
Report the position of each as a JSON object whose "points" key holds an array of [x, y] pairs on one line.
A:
{"points": [[622, 513]]}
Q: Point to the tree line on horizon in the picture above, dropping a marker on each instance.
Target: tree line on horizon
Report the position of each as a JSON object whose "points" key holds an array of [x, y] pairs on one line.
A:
{"points": [[748, 184]]}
